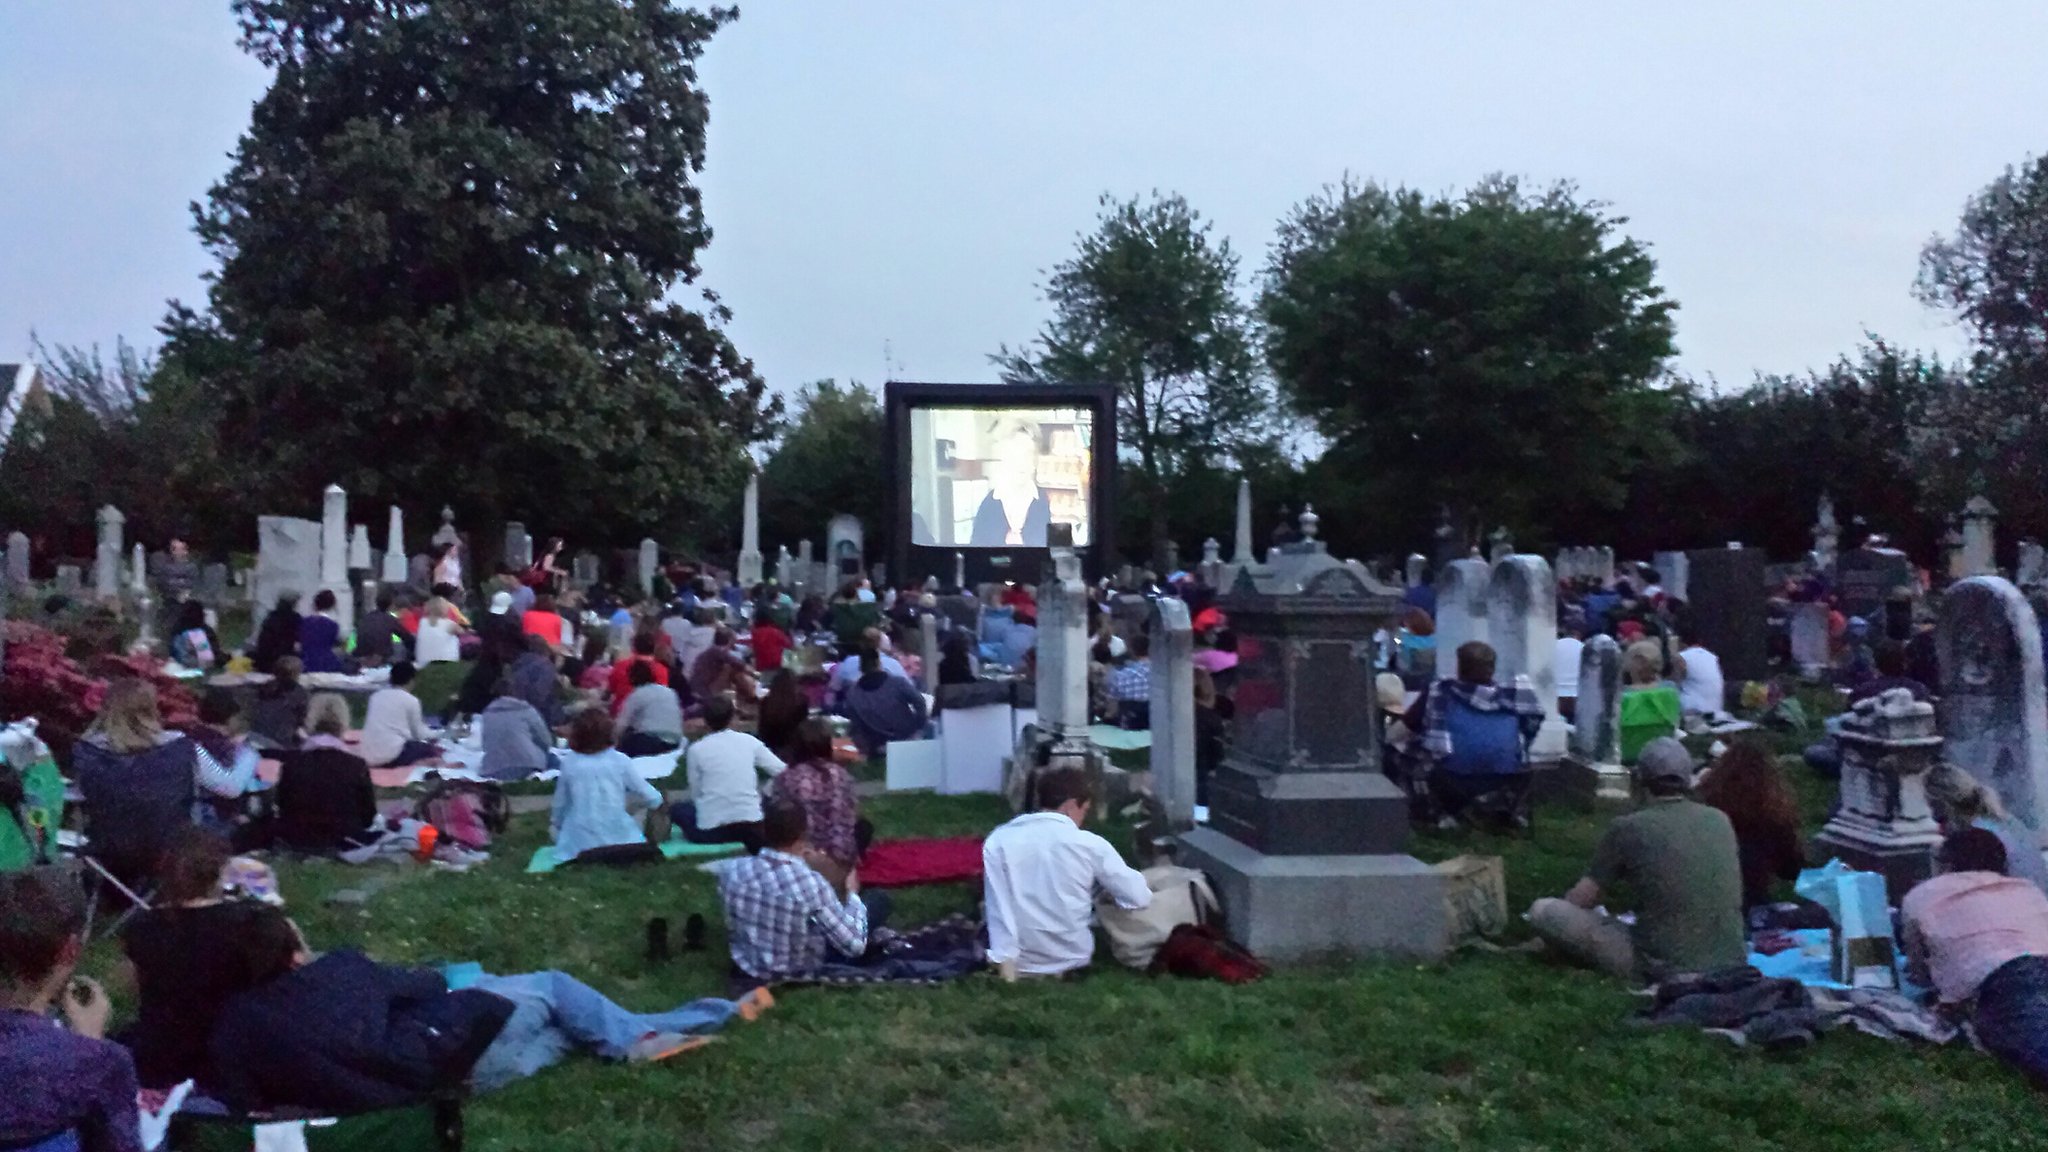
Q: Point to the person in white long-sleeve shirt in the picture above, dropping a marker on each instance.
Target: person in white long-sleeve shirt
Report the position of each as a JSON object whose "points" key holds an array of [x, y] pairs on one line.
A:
{"points": [[1041, 872], [725, 770]]}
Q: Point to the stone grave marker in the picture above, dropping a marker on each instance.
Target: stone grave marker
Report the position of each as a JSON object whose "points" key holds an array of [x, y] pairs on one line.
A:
{"points": [[1461, 611], [17, 560], [649, 564], [1173, 711], [70, 579], [1728, 609], [1674, 574], [1866, 577], [1884, 823], [1521, 620], [393, 570], [213, 585], [287, 560], [106, 570], [1596, 732], [1808, 626], [2033, 565], [1994, 707]]}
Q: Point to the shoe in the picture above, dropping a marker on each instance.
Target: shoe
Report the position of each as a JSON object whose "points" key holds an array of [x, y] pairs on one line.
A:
{"points": [[754, 1003], [657, 941], [656, 1046], [693, 933]]}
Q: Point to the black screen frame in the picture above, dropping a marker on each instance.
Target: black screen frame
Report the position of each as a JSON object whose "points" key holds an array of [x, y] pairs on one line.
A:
{"points": [[911, 563]]}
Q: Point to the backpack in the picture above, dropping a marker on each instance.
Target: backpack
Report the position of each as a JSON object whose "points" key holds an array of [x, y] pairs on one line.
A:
{"points": [[466, 812], [1200, 951]]}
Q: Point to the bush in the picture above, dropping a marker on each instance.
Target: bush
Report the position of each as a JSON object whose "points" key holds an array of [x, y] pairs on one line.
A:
{"points": [[40, 680]]}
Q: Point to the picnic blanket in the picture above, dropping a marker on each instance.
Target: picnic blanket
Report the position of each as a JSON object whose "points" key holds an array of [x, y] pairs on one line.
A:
{"points": [[544, 859], [933, 954], [1120, 739], [906, 863]]}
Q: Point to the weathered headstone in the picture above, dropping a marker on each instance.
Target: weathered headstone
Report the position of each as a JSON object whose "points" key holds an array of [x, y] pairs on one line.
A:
{"points": [[213, 585], [1728, 609], [785, 567], [650, 562], [17, 560], [518, 546], [1674, 572], [1415, 570], [845, 548], [750, 533], [70, 579], [1595, 743], [359, 549], [1063, 651], [2033, 565], [806, 570], [1241, 548], [287, 560], [1866, 577], [1884, 823], [586, 569], [1461, 611], [334, 552], [1994, 706], [928, 649], [1808, 626], [145, 605], [1173, 711], [1826, 535], [1521, 620], [394, 571], [1211, 571], [1980, 538], [419, 572], [106, 571], [1501, 545]]}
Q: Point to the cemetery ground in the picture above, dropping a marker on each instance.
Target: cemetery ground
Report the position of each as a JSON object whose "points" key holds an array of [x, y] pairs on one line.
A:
{"points": [[1488, 1051]]}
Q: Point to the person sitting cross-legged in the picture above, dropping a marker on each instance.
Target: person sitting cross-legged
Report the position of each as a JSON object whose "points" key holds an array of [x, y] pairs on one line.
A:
{"points": [[1981, 937], [516, 741], [651, 722], [394, 730], [783, 916], [724, 770], [1473, 730], [1680, 860], [595, 794], [1040, 875], [57, 1081], [325, 799], [882, 706]]}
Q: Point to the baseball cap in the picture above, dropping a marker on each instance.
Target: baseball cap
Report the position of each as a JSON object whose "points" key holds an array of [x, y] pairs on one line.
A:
{"points": [[1665, 759], [501, 603]]}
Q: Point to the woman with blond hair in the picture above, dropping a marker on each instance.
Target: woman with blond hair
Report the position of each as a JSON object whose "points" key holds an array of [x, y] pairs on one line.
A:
{"points": [[325, 801], [440, 637], [1961, 801], [141, 783]]}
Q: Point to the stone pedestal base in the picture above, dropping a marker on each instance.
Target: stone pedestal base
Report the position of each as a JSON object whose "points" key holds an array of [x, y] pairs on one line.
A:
{"points": [[1902, 863], [1297, 907], [1309, 813], [1587, 783], [1551, 740]]}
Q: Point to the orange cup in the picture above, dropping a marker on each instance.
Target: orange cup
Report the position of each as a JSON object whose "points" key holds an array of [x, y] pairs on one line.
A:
{"points": [[429, 836]]}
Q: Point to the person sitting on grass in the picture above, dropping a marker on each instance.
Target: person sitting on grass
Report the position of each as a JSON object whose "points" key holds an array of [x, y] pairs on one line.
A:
{"points": [[815, 780], [719, 671], [783, 916], [1680, 859], [847, 671], [278, 718], [394, 732], [278, 635], [882, 706], [1041, 872], [781, 712], [651, 723], [770, 643], [184, 971], [380, 640], [61, 1080], [344, 1034], [194, 643], [320, 635], [325, 800], [1128, 686], [534, 679], [1980, 937], [621, 681], [1453, 717], [1745, 783], [724, 770], [516, 741], [595, 794]]}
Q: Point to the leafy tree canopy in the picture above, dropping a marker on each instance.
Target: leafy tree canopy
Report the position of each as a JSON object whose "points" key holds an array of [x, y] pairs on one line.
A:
{"points": [[830, 460]]}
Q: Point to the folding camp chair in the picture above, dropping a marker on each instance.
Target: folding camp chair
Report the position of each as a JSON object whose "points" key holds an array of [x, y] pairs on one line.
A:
{"points": [[1487, 773]]}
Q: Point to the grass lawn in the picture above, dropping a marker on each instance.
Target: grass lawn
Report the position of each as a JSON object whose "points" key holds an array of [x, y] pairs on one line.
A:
{"points": [[1485, 1052]]}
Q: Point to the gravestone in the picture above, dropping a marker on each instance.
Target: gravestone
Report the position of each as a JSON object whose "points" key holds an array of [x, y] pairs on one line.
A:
{"points": [[213, 585], [287, 560], [1729, 612], [419, 573], [1461, 611], [1808, 626], [1173, 711], [960, 571], [1884, 823], [785, 570], [806, 570], [106, 570], [928, 649], [845, 548], [446, 533], [750, 533], [70, 579], [1241, 548], [359, 549], [1502, 545], [1826, 535], [1307, 837], [1063, 651], [393, 570], [1866, 577], [334, 552], [1994, 707], [1415, 570], [1594, 764], [649, 563], [145, 606], [1521, 619], [1980, 538], [1211, 571], [17, 560], [2033, 565], [518, 547], [586, 569], [1674, 574]]}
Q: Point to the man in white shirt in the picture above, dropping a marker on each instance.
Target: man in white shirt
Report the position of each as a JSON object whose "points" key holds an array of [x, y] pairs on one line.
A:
{"points": [[1701, 688], [394, 732], [1571, 647], [724, 769], [1041, 873]]}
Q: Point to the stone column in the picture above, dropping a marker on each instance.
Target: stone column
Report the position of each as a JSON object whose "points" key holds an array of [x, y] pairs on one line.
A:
{"points": [[394, 548], [145, 607], [785, 570], [750, 533], [1980, 538], [17, 560], [928, 650], [960, 571], [334, 552], [518, 546], [1826, 535], [1241, 544], [650, 562], [1063, 651], [1994, 706], [1521, 618], [1461, 614], [1173, 711], [1595, 742], [359, 549], [1415, 569], [106, 566]]}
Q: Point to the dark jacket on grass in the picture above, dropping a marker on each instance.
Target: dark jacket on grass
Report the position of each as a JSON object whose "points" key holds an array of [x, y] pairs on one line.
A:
{"points": [[345, 1034]]}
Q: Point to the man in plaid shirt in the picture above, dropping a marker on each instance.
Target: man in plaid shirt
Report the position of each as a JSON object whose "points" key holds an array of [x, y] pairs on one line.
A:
{"points": [[783, 916]]}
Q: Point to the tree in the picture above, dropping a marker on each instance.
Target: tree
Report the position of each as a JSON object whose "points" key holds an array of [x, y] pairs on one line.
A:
{"points": [[1149, 303], [829, 461], [1498, 354], [448, 244]]}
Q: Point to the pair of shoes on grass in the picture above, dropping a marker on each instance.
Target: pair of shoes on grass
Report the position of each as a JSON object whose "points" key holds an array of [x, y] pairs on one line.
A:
{"points": [[658, 951]]}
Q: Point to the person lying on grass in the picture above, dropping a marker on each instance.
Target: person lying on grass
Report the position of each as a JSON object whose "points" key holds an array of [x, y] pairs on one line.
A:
{"points": [[344, 1034], [784, 916]]}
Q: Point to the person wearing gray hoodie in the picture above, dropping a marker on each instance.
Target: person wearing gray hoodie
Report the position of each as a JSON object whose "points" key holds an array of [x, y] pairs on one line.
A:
{"points": [[516, 739]]}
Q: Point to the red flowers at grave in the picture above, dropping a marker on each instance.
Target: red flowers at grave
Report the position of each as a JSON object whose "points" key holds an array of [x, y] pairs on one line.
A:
{"points": [[40, 680]]}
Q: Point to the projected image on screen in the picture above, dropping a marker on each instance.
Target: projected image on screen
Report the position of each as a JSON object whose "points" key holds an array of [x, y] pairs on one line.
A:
{"points": [[998, 477]]}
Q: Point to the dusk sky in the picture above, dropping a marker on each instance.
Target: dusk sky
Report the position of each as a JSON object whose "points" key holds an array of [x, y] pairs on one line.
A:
{"points": [[899, 174]]}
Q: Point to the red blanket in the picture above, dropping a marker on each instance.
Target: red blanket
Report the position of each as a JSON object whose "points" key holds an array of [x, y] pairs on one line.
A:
{"points": [[904, 863]]}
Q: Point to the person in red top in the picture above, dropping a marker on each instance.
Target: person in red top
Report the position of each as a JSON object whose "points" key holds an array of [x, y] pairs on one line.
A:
{"points": [[622, 670], [1019, 596], [543, 621], [770, 642]]}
